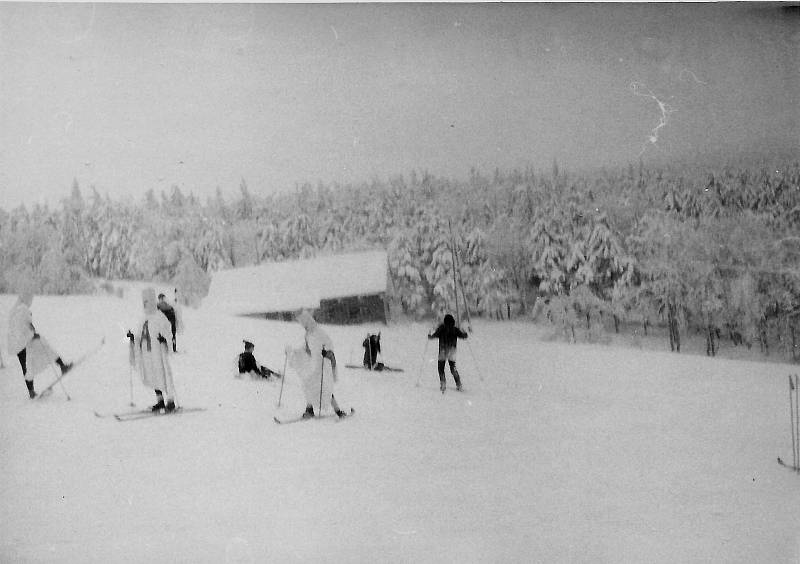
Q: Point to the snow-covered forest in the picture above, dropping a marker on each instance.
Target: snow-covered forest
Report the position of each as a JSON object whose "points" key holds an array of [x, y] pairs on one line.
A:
{"points": [[697, 248]]}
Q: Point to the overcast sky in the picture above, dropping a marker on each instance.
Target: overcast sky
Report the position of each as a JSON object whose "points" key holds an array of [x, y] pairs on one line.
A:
{"points": [[128, 97]]}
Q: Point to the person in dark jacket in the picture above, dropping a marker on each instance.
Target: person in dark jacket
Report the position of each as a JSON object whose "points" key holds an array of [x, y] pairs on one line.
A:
{"points": [[249, 365], [448, 335], [169, 313]]}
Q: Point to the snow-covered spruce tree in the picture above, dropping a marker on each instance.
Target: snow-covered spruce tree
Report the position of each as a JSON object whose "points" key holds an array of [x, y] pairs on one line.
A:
{"points": [[439, 275], [191, 280], [509, 248], [406, 275]]}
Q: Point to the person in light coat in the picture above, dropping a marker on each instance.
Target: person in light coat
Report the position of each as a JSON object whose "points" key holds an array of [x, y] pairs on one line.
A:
{"points": [[315, 363], [151, 353], [32, 351]]}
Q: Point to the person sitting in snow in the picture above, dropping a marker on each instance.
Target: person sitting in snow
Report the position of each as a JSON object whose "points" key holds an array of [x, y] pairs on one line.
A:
{"points": [[248, 364], [448, 335], [151, 352], [31, 349], [315, 363], [169, 313]]}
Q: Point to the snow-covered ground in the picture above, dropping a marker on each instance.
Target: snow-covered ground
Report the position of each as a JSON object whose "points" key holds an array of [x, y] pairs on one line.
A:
{"points": [[554, 453]]}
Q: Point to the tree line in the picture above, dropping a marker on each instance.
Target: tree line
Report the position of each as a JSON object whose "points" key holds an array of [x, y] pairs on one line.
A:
{"points": [[689, 247]]}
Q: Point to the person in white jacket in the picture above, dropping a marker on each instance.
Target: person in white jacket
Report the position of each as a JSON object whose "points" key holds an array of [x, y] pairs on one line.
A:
{"points": [[315, 363], [151, 353], [31, 349]]}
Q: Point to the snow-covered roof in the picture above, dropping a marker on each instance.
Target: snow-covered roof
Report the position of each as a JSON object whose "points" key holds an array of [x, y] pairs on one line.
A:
{"points": [[297, 284]]}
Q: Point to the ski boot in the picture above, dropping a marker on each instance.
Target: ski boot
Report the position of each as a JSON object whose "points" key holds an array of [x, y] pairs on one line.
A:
{"points": [[309, 413], [170, 407], [443, 387], [158, 406], [29, 384], [65, 367], [340, 414]]}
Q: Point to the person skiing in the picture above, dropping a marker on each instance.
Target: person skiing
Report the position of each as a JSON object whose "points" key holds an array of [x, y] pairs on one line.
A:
{"points": [[248, 364], [31, 349], [151, 352], [448, 335], [169, 313], [315, 363]]}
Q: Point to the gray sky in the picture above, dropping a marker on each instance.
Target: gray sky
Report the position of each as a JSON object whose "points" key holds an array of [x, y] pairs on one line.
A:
{"points": [[129, 97]]}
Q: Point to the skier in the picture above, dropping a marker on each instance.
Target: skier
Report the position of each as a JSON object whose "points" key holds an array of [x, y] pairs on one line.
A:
{"points": [[317, 375], [372, 348], [448, 335], [151, 352], [248, 364], [169, 313], [31, 349]]}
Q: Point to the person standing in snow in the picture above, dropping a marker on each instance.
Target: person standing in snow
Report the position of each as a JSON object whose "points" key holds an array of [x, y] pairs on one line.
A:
{"points": [[22, 338], [448, 335], [315, 363], [169, 313], [151, 352]]}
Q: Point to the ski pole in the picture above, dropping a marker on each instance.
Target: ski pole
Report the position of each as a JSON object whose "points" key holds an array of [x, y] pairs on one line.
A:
{"points": [[475, 361], [131, 363], [169, 380], [283, 377], [61, 384], [422, 363], [321, 378]]}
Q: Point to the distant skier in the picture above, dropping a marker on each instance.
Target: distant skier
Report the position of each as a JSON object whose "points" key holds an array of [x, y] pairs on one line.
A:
{"points": [[248, 364], [315, 363], [31, 349], [448, 335], [151, 352], [169, 313], [372, 348]]}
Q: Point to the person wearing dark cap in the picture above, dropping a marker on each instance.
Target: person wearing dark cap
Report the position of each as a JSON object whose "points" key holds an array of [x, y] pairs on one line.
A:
{"points": [[448, 335], [169, 313], [248, 364]]}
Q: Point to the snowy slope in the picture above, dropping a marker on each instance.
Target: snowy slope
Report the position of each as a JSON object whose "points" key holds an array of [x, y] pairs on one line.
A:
{"points": [[555, 453]]}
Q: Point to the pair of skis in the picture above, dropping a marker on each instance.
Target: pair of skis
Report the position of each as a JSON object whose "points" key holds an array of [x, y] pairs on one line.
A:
{"points": [[297, 419], [136, 415], [380, 367]]}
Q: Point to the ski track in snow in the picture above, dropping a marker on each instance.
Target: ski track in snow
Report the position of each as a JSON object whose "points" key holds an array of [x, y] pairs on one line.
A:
{"points": [[556, 453]]}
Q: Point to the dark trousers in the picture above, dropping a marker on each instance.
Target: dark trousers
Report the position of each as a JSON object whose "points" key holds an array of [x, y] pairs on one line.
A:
{"points": [[453, 371], [22, 355]]}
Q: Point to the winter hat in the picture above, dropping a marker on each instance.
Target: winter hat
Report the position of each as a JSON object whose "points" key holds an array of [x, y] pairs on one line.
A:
{"points": [[249, 345], [449, 321], [26, 297], [149, 299], [305, 319], [161, 296]]}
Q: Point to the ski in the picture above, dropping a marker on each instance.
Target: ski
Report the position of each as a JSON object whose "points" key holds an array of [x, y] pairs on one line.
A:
{"points": [[146, 414], [46, 391], [287, 420], [106, 415], [384, 368]]}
